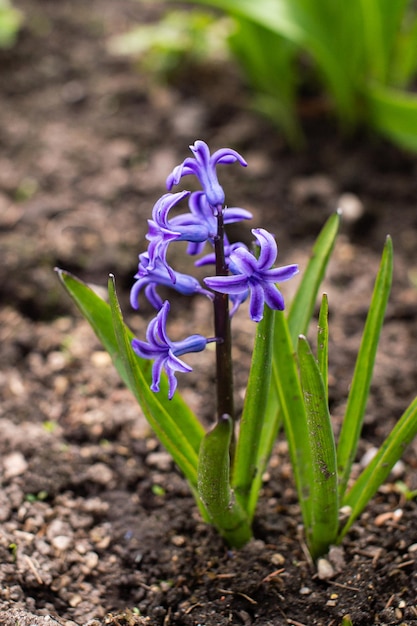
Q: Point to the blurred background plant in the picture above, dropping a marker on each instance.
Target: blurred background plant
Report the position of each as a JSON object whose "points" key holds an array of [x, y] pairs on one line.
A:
{"points": [[180, 39], [356, 61], [10, 22]]}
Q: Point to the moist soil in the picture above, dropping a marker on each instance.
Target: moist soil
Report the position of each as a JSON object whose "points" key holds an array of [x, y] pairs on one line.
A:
{"points": [[97, 526]]}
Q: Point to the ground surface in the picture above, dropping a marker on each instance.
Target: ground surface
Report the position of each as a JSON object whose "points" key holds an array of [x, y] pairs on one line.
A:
{"points": [[97, 526]]}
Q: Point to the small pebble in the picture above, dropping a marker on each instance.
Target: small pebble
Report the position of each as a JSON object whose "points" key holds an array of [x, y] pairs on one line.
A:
{"points": [[368, 456], [277, 559], [14, 465], [305, 591], [351, 207], [324, 569], [61, 542], [160, 460], [99, 473], [178, 540]]}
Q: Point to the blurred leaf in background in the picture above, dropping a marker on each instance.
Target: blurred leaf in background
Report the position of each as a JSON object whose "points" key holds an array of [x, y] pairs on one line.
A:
{"points": [[10, 22], [179, 38], [360, 57]]}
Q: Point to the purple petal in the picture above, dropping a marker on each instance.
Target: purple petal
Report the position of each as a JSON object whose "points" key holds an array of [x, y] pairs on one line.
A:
{"points": [[227, 155], [235, 214], [273, 297], [173, 364], [134, 292], [143, 349], [153, 297], [162, 322], [242, 261], [280, 274], [201, 152], [237, 299], [256, 304], [227, 284], [156, 372], [193, 343], [268, 246], [164, 205], [189, 166]]}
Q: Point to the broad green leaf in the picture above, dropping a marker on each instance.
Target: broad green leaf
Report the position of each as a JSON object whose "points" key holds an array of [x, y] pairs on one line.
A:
{"points": [[250, 461], [302, 307], [361, 382], [323, 343], [214, 489], [293, 413], [168, 427], [99, 315], [393, 113], [379, 468], [323, 480]]}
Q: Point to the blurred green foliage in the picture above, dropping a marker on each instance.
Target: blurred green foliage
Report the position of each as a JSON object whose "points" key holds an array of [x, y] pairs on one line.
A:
{"points": [[179, 38], [360, 57], [10, 22]]}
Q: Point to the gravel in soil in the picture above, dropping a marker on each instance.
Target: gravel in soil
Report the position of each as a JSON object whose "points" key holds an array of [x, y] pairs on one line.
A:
{"points": [[97, 526]]}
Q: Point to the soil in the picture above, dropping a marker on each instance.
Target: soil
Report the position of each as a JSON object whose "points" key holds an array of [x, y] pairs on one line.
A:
{"points": [[97, 526]]}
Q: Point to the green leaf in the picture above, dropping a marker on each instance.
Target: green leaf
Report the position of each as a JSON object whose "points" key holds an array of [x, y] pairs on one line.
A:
{"points": [[301, 23], [214, 489], [293, 413], [268, 61], [168, 427], [323, 480], [381, 21], [394, 114], [361, 382], [323, 343], [183, 430], [379, 468], [302, 307], [252, 450]]}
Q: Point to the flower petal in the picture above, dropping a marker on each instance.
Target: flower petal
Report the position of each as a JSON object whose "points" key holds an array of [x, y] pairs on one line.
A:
{"points": [[236, 214], [280, 274], [269, 250], [256, 304], [227, 284], [227, 155], [241, 261], [273, 297]]}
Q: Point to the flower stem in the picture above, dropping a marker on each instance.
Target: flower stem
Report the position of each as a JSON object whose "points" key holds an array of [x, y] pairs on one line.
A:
{"points": [[223, 333]]}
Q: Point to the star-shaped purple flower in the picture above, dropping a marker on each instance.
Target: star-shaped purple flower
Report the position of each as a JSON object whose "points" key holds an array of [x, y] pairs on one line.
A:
{"points": [[204, 167], [150, 276], [166, 352], [256, 275]]}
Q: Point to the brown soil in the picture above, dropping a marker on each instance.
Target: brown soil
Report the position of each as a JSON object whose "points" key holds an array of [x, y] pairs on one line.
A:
{"points": [[97, 526]]}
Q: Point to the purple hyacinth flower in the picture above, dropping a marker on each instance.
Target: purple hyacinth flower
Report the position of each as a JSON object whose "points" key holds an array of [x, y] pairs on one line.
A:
{"points": [[150, 276], [163, 231], [256, 275], [201, 211], [204, 167], [166, 352]]}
